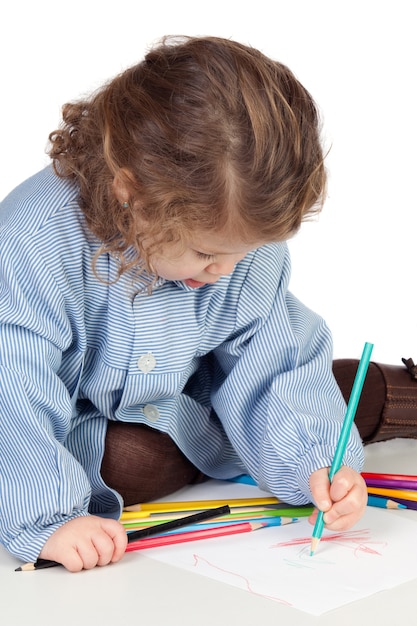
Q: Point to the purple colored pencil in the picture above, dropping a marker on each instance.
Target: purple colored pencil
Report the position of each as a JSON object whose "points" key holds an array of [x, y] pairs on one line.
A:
{"points": [[387, 483]]}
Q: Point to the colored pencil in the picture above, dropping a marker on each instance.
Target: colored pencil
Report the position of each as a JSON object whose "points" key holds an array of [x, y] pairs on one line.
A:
{"points": [[384, 476], [235, 514], [178, 523], [167, 540], [193, 505], [148, 518], [270, 521], [344, 434], [292, 511], [244, 479], [384, 503], [385, 483], [38, 564], [393, 493], [143, 533], [408, 504]]}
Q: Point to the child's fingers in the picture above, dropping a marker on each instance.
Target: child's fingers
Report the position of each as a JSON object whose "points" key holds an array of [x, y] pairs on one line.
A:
{"points": [[348, 510], [84, 542], [118, 535], [343, 501], [89, 554], [106, 545], [343, 515], [342, 523], [320, 489], [344, 481], [72, 561], [104, 549]]}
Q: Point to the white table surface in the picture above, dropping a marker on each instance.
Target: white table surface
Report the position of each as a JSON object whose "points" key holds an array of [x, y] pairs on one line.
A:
{"points": [[144, 591]]}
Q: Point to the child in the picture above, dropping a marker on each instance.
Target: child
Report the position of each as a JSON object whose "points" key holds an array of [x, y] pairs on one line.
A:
{"points": [[148, 337]]}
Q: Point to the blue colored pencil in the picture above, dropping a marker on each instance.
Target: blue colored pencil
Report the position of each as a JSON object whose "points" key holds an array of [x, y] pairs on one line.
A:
{"points": [[344, 434], [267, 521], [384, 503], [245, 479]]}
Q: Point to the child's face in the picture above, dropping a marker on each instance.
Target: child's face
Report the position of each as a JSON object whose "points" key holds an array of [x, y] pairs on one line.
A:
{"points": [[206, 258]]}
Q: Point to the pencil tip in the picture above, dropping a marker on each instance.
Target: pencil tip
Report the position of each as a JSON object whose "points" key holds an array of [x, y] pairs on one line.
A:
{"points": [[27, 567], [314, 544]]}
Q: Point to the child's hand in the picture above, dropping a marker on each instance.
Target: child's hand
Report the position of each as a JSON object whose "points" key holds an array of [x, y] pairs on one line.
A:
{"points": [[85, 542], [343, 501]]}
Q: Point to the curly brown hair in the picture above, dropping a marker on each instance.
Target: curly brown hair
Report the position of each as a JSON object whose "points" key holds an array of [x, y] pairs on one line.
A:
{"points": [[205, 133]]}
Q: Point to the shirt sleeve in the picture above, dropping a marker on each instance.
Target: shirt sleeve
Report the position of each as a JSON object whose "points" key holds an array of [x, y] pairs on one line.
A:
{"points": [[274, 390], [41, 484]]}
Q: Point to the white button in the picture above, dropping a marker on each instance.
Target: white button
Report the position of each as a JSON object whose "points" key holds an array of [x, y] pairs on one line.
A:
{"points": [[151, 412], [146, 362]]}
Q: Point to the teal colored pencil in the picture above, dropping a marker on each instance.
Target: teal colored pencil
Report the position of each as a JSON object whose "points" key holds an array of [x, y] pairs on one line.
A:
{"points": [[344, 434]]}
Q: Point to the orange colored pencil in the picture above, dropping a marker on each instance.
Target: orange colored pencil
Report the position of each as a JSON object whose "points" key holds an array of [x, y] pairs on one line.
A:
{"points": [[393, 494]]}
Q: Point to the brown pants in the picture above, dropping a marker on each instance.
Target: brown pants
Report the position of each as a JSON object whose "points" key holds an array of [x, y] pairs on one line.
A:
{"points": [[144, 464]]}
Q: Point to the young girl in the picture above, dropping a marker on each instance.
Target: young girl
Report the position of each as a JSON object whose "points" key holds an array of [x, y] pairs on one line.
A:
{"points": [[148, 337]]}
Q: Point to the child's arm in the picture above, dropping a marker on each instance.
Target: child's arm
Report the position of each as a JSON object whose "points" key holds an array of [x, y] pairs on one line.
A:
{"points": [[343, 501], [84, 542], [43, 480], [287, 409]]}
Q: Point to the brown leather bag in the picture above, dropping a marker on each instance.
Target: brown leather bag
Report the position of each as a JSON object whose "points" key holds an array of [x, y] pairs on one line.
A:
{"points": [[388, 404]]}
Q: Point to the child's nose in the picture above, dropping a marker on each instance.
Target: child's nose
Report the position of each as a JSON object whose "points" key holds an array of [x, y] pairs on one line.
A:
{"points": [[222, 266]]}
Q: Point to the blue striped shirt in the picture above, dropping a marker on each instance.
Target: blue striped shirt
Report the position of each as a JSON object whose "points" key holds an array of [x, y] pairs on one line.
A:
{"points": [[238, 373]]}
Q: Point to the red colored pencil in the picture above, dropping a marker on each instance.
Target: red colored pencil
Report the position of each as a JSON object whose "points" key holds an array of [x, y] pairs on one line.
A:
{"points": [[166, 540], [376, 476]]}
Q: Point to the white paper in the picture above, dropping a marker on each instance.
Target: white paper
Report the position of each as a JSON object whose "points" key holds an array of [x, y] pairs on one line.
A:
{"points": [[378, 553]]}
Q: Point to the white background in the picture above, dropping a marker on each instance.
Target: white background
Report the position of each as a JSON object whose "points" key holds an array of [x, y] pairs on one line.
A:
{"points": [[356, 264]]}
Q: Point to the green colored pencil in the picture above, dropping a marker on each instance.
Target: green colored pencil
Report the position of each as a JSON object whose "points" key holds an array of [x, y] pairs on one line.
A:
{"points": [[301, 511]]}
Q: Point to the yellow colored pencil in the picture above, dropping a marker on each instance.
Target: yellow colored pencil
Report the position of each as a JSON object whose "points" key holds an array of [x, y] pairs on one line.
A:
{"points": [[247, 516], [245, 511], [192, 505]]}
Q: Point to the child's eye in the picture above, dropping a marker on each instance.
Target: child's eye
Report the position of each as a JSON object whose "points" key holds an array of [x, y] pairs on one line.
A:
{"points": [[203, 255]]}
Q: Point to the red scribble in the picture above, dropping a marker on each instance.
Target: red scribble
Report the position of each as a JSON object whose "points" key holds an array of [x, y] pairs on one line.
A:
{"points": [[360, 538], [198, 559]]}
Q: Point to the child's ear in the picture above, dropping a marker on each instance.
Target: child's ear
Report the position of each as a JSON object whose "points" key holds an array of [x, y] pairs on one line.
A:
{"points": [[123, 182]]}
